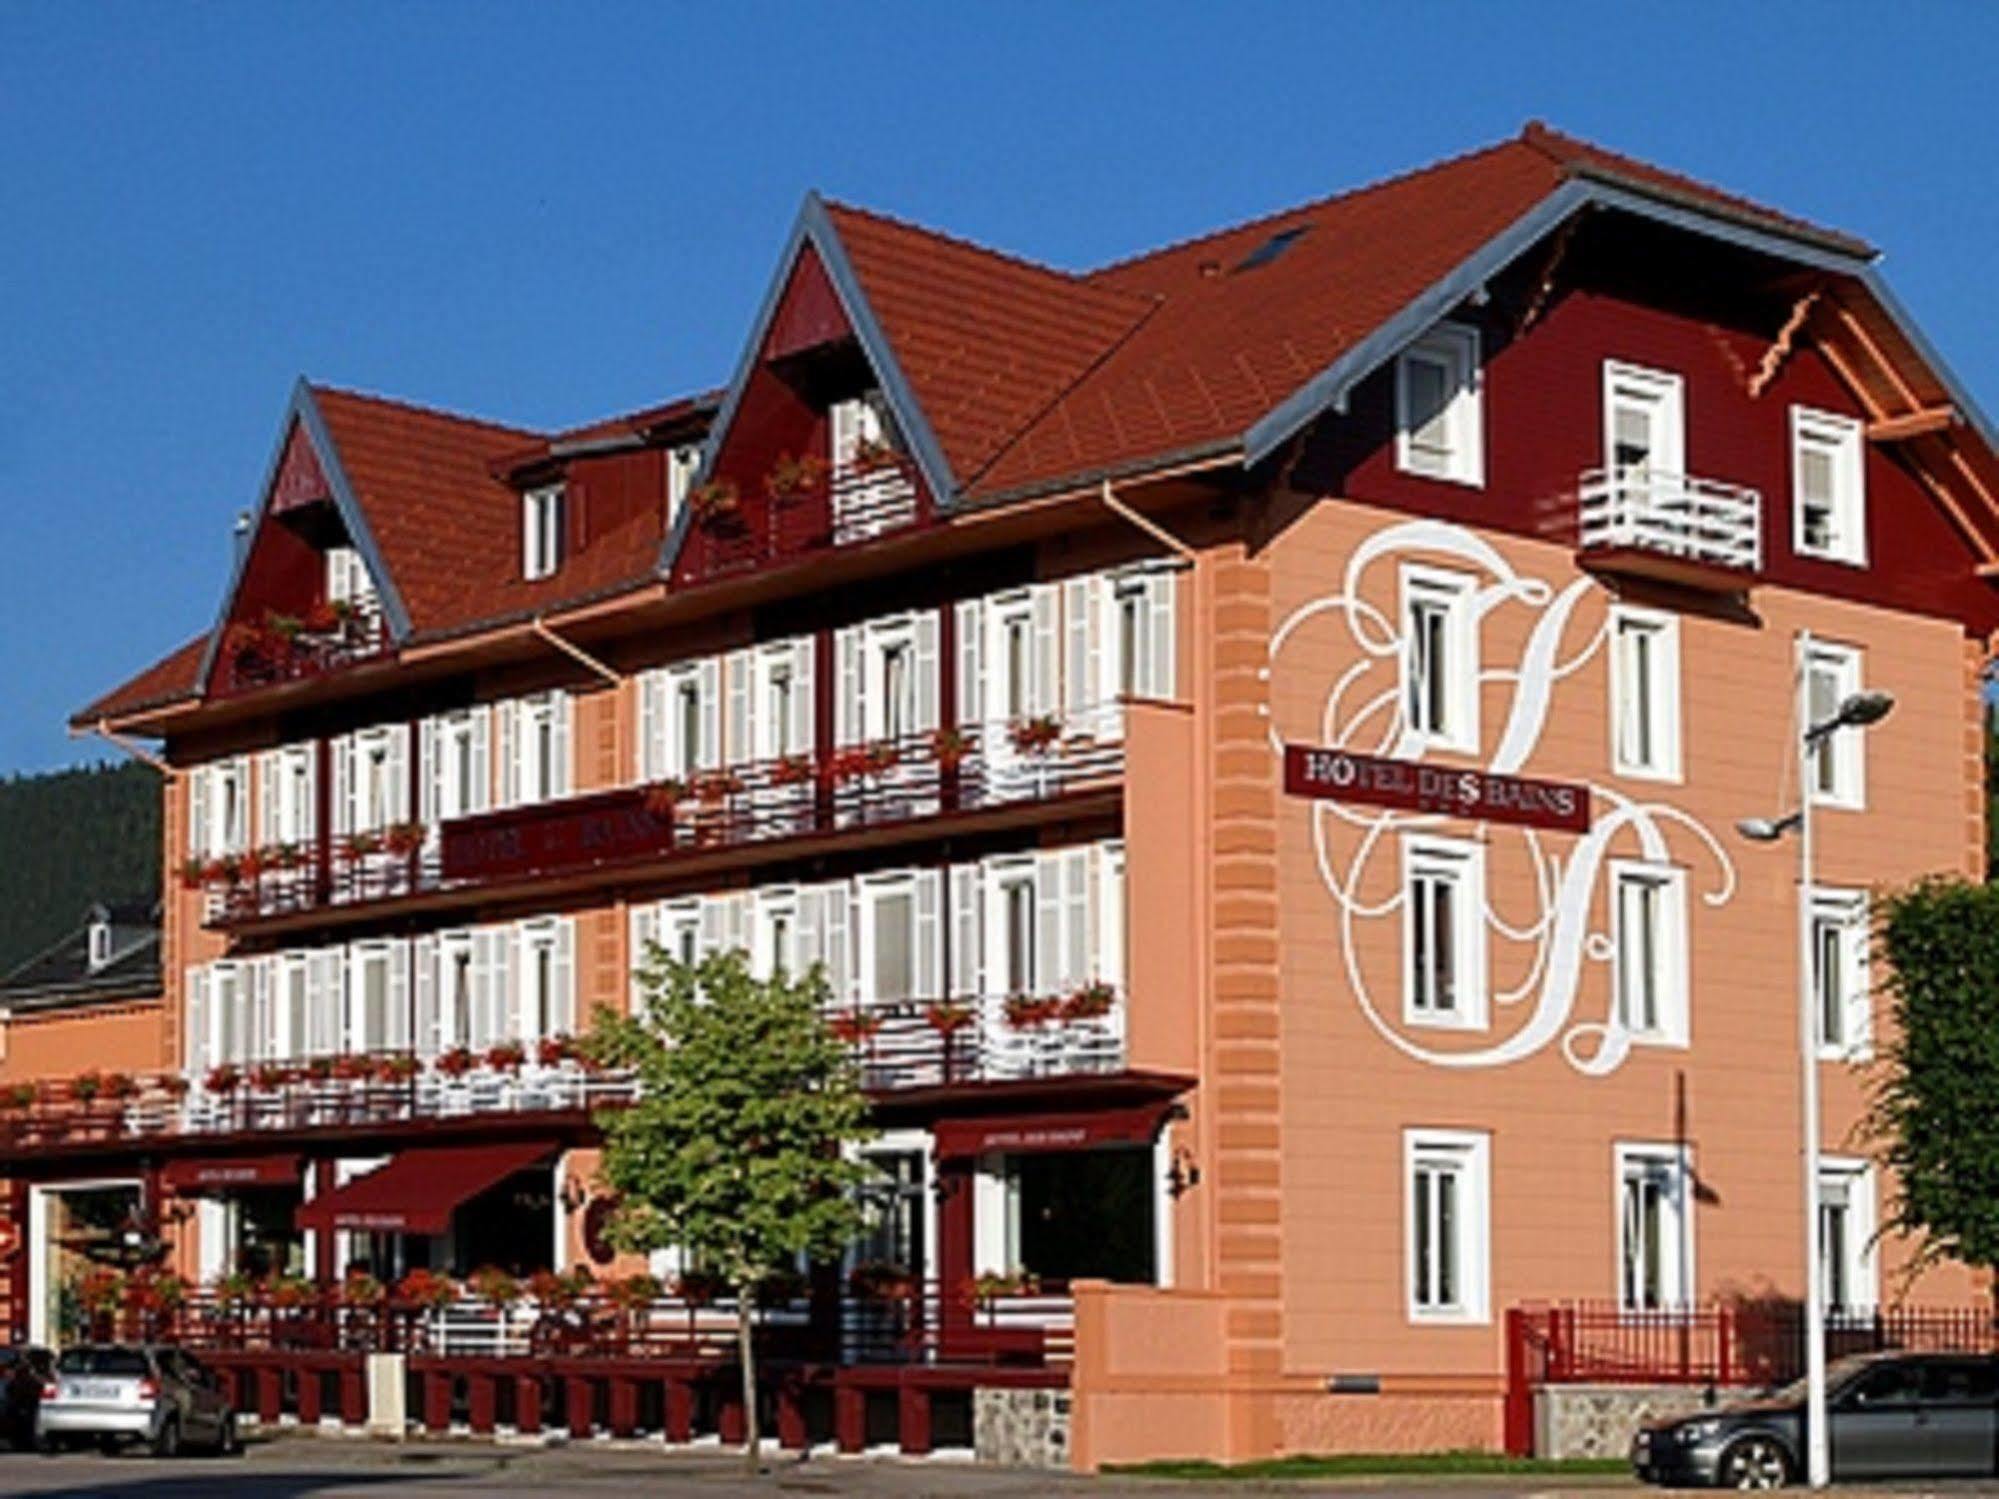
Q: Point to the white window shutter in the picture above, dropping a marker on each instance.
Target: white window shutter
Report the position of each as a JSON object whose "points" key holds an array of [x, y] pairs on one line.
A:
{"points": [[431, 771], [1161, 677], [256, 1044], [652, 725], [195, 1046], [926, 670], [1047, 922], [971, 662], [710, 751], [322, 1003], [809, 945], [1077, 680], [269, 770], [562, 976], [424, 1025], [1109, 941], [479, 796], [308, 815], [197, 812], [645, 936], [929, 933], [1043, 673], [967, 930], [396, 1025], [343, 785], [1077, 916], [562, 713], [712, 926], [398, 772], [239, 828], [850, 721], [802, 730], [509, 970], [484, 979], [839, 941], [507, 715], [737, 748]]}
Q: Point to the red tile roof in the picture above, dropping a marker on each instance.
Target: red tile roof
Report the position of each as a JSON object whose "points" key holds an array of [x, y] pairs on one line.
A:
{"points": [[1028, 376], [167, 680]]}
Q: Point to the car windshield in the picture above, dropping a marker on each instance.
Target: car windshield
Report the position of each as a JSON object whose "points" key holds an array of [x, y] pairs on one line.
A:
{"points": [[1837, 1373], [102, 1361]]}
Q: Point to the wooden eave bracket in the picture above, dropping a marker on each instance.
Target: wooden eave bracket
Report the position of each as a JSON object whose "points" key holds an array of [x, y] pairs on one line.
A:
{"points": [[1786, 340], [1913, 424]]}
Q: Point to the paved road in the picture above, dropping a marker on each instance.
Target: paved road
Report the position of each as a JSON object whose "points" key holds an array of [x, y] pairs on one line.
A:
{"points": [[318, 1468]]}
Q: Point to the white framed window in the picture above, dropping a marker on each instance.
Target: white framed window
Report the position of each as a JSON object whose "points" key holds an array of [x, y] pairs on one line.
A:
{"points": [[781, 708], [774, 937], [1655, 1231], [1848, 1274], [291, 1005], [1649, 950], [541, 531], [534, 753], [1439, 416], [888, 678], [1645, 693], [455, 1021], [1839, 974], [680, 929], [371, 778], [1644, 422], [547, 977], [1440, 659], [229, 1022], [899, 936], [348, 580], [219, 808], [1013, 937], [1838, 765], [682, 464], [378, 996], [1828, 486], [286, 794], [1443, 932], [1447, 1180], [457, 764]]}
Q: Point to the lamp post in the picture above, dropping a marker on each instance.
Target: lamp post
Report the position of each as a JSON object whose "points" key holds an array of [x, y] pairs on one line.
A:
{"points": [[1858, 711]]}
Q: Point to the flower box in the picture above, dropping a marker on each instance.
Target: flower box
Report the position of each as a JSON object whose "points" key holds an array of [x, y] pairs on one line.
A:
{"points": [[946, 1018], [854, 1027], [948, 747], [794, 478], [490, 1283], [508, 1056], [456, 1062], [716, 503], [791, 770], [224, 1079], [1089, 1002], [871, 455], [662, 798], [1027, 1012], [1034, 736], [426, 1288]]}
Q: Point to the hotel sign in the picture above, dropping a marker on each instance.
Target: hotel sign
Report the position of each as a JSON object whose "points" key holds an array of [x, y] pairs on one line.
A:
{"points": [[553, 837], [1411, 786]]}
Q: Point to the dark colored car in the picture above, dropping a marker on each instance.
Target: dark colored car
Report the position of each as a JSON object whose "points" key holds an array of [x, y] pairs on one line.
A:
{"points": [[1927, 1415], [23, 1370]]}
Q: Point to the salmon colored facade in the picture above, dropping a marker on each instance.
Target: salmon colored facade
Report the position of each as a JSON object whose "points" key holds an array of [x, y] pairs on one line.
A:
{"points": [[960, 647]]}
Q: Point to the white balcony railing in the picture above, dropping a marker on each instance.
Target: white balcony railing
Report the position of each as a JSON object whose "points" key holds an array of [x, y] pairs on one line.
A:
{"points": [[1700, 521]]}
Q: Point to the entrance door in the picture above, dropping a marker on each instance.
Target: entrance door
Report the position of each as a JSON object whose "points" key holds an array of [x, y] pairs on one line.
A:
{"points": [[73, 1229], [1072, 1214]]}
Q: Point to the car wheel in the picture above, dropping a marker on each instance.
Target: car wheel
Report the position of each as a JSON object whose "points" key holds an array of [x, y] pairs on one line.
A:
{"points": [[51, 1444], [1755, 1463], [167, 1443], [108, 1445]]}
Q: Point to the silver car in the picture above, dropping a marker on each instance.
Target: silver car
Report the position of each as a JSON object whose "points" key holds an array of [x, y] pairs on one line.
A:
{"points": [[115, 1393]]}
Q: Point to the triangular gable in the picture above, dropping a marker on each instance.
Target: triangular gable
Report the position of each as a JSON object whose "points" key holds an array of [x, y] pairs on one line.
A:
{"points": [[304, 467], [815, 288]]}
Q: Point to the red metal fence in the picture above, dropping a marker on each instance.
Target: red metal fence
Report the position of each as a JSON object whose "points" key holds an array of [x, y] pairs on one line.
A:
{"points": [[1760, 1343]]}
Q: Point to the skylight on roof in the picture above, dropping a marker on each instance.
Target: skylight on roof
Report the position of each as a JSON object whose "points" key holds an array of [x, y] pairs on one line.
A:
{"points": [[1273, 247]]}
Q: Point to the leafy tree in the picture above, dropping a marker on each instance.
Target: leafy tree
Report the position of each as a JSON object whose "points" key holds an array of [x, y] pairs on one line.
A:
{"points": [[1935, 1107], [732, 1149]]}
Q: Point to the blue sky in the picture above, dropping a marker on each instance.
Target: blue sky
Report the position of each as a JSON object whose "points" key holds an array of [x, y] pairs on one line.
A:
{"points": [[547, 213]]}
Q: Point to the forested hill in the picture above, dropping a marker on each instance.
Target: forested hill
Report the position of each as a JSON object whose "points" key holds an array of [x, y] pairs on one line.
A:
{"points": [[68, 838]]}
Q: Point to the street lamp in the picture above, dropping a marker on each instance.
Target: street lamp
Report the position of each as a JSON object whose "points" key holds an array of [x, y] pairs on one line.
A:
{"points": [[1858, 711]]}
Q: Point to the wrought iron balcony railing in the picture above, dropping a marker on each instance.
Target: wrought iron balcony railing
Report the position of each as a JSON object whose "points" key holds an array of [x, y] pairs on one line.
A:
{"points": [[877, 784], [284, 649], [984, 1039]]}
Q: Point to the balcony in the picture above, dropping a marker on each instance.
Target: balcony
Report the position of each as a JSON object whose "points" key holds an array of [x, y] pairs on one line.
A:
{"points": [[732, 532], [986, 1039], [284, 648], [994, 772], [1696, 533]]}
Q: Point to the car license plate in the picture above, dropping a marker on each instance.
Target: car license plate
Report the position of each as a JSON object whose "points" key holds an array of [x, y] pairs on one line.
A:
{"points": [[94, 1389]]}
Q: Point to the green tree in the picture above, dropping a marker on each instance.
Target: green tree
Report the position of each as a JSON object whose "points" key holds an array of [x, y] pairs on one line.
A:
{"points": [[732, 1150], [1935, 1106]]}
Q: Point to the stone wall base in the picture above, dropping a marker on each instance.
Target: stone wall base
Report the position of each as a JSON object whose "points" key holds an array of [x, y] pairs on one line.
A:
{"points": [[1599, 1420], [1021, 1428]]}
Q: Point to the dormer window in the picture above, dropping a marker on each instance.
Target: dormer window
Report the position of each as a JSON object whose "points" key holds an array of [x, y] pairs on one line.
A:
{"points": [[99, 942], [541, 532], [1439, 421], [348, 580]]}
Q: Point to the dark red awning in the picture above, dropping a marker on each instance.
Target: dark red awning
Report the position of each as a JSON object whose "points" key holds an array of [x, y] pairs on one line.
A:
{"points": [[417, 1192], [191, 1178], [1017, 1134]]}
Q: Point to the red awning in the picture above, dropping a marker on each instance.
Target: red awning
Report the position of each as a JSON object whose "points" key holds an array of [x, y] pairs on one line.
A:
{"points": [[1017, 1134], [191, 1178], [418, 1190]]}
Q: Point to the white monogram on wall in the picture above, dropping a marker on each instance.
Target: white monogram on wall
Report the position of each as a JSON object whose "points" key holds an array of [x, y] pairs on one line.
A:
{"points": [[1365, 711]]}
